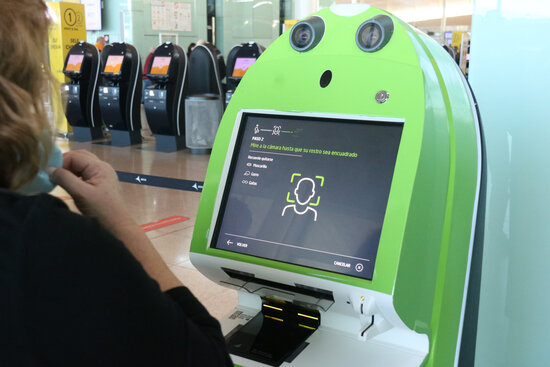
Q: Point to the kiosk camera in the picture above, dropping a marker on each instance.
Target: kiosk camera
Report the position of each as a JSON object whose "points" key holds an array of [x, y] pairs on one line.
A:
{"points": [[204, 104], [82, 68], [341, 199], [120, 94], [165, 97], [239, 59]]}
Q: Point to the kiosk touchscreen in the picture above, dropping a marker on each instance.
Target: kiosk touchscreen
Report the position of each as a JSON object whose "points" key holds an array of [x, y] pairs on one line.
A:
{"points": [[113, 64], [74, 63], [241, 66], [160, 65], [321, 207], [82, 66], [120, 94], [341, 199], [164, 99]]}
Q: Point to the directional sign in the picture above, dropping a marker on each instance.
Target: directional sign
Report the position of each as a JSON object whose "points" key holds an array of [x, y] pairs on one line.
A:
{"points": [[159, 181]]}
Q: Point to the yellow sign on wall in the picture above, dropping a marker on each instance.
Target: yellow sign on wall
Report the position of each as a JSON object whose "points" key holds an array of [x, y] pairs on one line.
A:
{"points": [[68, 28], [457, 39]]}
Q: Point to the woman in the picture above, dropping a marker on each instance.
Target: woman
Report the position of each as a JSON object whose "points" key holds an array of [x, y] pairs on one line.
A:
{"points": [[77, 290]]}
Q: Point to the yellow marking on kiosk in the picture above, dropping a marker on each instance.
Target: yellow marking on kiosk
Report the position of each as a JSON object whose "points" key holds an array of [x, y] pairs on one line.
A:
{"points": [[306, 327], [309, 317], [273, 307], [274, 318]]}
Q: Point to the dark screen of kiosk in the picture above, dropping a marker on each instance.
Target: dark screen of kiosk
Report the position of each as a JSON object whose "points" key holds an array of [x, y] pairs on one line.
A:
{"points": [[309, 191]]}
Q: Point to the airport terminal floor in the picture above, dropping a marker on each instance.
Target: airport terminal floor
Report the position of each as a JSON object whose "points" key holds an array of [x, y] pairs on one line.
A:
{"points": [[172, 210]]}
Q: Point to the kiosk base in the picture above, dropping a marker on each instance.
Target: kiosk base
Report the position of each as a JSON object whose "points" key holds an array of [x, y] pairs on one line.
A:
{"points": [[87, 133], [125, 138], [169, 143], [326, 347], [274, 335]]}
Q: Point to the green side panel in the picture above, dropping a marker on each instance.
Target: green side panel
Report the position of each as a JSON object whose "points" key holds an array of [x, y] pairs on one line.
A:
{"points": [[286, 80], [423, 233], [462, 193], [441, 244]]}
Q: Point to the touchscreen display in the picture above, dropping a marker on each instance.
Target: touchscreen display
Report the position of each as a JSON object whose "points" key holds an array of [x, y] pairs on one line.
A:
{"points": [[160, 65], [241, 65], [74, 63], [309, 191], [113, 64]]}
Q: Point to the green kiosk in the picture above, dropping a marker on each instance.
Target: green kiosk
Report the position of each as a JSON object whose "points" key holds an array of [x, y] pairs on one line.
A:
{"points": [[341, 198]]}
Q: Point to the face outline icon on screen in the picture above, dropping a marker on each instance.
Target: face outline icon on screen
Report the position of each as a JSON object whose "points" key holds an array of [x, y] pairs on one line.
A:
{"points": [[304, 192]]}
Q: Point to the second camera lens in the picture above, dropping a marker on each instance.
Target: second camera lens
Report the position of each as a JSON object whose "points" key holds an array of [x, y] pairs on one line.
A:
{"points": [[375, 33]]}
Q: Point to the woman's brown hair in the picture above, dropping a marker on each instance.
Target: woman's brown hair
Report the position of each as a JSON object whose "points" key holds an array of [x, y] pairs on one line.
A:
{"points": [[25, 80]]}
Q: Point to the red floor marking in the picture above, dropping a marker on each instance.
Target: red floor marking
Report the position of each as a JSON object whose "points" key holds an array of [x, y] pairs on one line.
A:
{"points": [[163, 223]]}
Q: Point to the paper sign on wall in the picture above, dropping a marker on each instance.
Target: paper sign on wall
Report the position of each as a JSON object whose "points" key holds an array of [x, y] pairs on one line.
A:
{"points": [[170, 16]]}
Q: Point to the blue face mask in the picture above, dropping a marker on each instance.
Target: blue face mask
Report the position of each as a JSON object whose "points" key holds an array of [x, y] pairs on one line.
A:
{"points": [[42, 183]]}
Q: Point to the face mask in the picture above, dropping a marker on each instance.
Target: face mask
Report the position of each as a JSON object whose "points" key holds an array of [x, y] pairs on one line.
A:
{"points": [[42, 183]]}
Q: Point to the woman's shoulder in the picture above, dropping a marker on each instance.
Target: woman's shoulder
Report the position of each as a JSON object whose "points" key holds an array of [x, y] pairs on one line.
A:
{"points": [[17, 209], [43, 218]]}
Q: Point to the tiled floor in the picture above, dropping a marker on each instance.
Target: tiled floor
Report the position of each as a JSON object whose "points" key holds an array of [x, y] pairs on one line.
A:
{"points": [[150, 204]]}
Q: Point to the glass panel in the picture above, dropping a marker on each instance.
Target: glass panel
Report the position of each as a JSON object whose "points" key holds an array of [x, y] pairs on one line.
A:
{"points": [[510, 54]]}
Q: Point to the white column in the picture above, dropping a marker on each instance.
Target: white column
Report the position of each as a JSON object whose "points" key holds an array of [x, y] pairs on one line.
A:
{"points": [[303, 8]]}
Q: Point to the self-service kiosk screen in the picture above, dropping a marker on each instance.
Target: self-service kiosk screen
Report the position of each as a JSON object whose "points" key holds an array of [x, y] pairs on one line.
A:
{"points": [[160, 65], [113, 64], [241, 65], [74, 63], [309, 191]]}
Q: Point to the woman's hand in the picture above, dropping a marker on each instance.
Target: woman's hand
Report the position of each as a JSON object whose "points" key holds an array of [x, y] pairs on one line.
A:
{"points": [[94, 186]]}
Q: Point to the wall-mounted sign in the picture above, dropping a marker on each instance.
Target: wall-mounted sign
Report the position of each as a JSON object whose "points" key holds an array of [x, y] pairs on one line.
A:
{"points": [[67, 29], [92, 8], [170, 16]]}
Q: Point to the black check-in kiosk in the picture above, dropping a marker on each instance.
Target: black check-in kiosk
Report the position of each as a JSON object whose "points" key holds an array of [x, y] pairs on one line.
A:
{"points": [[164, 99], [120, 94], [239, 59], [82, 112]]}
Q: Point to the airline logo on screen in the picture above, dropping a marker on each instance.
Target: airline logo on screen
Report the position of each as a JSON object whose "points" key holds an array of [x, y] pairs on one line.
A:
{"points": [[303, 194]]}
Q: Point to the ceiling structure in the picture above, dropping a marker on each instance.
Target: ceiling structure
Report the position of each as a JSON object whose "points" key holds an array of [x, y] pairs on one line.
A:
{"points": [[427, 14]]}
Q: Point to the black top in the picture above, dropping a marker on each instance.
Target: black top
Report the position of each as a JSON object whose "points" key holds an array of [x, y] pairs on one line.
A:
{"points": [[72, 295]]}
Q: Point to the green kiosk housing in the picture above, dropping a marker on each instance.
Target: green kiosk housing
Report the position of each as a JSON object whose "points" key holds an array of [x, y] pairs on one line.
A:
{"points": [[341, 198]]}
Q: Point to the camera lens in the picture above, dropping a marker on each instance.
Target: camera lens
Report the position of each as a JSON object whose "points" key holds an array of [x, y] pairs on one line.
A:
{"points": [[307, 33], [303, 35], [370, 35], [375, 33]]}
